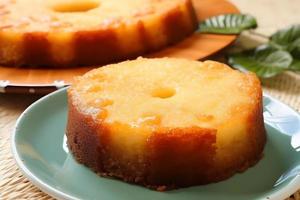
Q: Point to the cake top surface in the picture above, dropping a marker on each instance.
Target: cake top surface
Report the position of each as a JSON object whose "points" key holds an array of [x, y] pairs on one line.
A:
{"points": [[167, 92], [70, 15]]}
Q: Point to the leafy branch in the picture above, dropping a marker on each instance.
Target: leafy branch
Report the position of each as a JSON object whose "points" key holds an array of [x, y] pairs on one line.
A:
{"points": [[279, 54], [227, 24]]}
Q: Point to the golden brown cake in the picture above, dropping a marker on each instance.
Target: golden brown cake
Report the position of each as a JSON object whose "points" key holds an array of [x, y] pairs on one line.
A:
{"points": [[88, 32], [166, 123]]}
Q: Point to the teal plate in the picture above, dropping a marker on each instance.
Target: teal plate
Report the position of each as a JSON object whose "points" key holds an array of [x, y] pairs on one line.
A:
{"points": [[38, 145]]}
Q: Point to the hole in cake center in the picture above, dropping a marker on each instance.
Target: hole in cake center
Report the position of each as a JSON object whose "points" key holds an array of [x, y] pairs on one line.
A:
{"points": [[163, 92], [75, 5]]}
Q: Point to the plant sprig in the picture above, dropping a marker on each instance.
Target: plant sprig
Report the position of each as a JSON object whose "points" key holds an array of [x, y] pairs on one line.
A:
{"points": [[281, 53], [228, 24]]}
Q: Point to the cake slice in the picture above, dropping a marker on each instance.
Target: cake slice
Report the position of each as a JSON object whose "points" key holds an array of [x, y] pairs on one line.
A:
{"points": [[166, 123]]}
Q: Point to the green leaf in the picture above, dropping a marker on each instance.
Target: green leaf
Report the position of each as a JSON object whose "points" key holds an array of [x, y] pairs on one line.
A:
{"points": [[295, 66], [287, 39], [295, 48], [265, 61], [228, 24]]}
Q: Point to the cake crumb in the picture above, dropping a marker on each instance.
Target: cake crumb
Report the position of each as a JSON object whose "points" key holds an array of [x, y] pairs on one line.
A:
{"points": [[161, 188]]}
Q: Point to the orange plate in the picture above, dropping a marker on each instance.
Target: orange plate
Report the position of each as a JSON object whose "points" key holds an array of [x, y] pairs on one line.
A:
{"points": [[197, 46]]}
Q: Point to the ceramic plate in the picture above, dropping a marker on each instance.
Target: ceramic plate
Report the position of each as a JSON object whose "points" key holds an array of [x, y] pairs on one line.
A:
{"points": [[38, 145], [197, 46]]}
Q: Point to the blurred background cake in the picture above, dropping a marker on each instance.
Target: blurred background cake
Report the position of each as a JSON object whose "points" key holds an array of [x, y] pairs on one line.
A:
{"points": [[63, 33]]}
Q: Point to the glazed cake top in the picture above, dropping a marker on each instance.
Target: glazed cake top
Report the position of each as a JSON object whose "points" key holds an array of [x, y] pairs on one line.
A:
{"points": [[72, 15], [167, 93]]}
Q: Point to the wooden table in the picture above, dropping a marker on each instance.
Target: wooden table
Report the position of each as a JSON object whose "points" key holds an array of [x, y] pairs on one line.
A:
{"points": [[271, 15]]}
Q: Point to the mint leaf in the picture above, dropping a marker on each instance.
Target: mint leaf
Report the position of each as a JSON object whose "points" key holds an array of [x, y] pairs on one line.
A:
{"points": [[265, 61], [227, 24], [295, 66], [287, 39]]}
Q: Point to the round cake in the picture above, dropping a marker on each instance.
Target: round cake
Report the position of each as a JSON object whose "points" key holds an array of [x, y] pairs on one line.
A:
{"points": [[166, 123], [62, 33]]}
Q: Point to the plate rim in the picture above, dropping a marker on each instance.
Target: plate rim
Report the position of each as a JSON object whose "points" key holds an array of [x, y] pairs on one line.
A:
{"points": [[280, 194], [49, 190]]}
